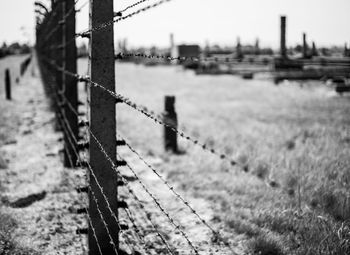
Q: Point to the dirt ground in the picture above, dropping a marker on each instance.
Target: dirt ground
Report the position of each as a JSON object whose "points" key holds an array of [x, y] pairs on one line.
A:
{"points": [[35, 169]]}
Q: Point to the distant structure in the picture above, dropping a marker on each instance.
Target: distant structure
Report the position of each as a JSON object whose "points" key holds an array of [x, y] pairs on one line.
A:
{"points": [[172, 45], [305, 46], [346, 50], [185, 50], [283, 62], [182, 50], [257, 47], [206, 51], [314, 51], [283, 49], [239, 52]]}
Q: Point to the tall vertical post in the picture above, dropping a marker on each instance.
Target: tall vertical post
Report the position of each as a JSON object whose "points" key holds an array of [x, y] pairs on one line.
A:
{"points": [[170, 119], [304, 46], [345, 50], [239, 52], [103, 127], [70, 83], [8, 84], [283, 37], [314, 50], [58, 41]]}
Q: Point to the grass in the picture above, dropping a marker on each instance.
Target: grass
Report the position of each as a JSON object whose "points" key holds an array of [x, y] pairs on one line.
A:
{"points": [[292, 140]]}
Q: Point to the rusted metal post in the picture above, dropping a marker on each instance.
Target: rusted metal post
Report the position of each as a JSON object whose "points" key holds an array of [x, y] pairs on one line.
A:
{"points": [[170, 119], [103, 128], [8, 84], [283, 37], [70, 91]]}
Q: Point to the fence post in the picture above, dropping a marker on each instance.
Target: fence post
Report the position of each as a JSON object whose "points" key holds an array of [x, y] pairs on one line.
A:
{"points": [[57, 55], [170, 118], [70, 83], [283, 37], [103, 127], [305, 48], [8, 84]]}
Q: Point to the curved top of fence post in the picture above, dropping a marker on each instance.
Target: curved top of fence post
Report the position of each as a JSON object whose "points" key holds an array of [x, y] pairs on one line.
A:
{"points": [[41, 5]]}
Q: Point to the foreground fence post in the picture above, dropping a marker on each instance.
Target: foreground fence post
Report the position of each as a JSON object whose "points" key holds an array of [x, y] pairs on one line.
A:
{"points": [[70, 83], [8, 84], [103, 128], [170, 118]]}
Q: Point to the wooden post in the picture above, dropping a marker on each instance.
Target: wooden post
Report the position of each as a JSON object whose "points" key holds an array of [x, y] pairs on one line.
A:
{"points": [[8, 84], [70, 83], [283, 37], [170, 118], [103, 127]]}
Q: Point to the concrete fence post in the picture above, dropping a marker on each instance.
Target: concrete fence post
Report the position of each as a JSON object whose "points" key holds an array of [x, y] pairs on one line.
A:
{"points": [[70, 92], [8, 84], [170, 119], [103, 127]]}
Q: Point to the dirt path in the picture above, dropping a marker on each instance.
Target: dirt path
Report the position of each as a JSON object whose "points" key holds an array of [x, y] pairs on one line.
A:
{"points": [[35, 170]]}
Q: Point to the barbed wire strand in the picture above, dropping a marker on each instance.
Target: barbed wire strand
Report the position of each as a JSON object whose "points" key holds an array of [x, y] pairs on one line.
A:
{"points": [[75, 183], [144, 110], [225, 60], [139, 235], [124, 180], [162, 209], [97, 206], [132, 6], [215, 233], [60, 22], [157, 119], [148, 217], [88, 217], [114, 167], [71, 135], [111, 22]]}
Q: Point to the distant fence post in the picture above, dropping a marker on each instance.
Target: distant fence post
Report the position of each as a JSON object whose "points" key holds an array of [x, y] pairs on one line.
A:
{"points": [[103, 126], [69, 82], [170, 119], [8, 84], [283, 37], [305, 49]]}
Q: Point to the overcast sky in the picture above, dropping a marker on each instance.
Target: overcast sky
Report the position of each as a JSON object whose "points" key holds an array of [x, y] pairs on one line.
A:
{"points": [[327, 22]]}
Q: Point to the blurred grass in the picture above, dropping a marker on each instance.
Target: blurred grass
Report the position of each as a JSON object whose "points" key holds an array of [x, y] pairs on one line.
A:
{"points": [[295, 136]]}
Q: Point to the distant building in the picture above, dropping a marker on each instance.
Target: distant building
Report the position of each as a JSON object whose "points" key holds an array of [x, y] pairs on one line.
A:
{"points": [[185, 50]]}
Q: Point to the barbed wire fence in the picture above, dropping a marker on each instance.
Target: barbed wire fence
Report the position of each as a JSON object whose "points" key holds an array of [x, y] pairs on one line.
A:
{"points": [[91, 142]]}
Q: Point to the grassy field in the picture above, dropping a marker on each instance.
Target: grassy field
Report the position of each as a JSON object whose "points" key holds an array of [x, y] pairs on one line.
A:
{"points": [[294, 139]]}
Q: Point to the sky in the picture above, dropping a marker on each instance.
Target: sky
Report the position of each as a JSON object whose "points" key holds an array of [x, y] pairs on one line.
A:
{"points": [[327, 22]]}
